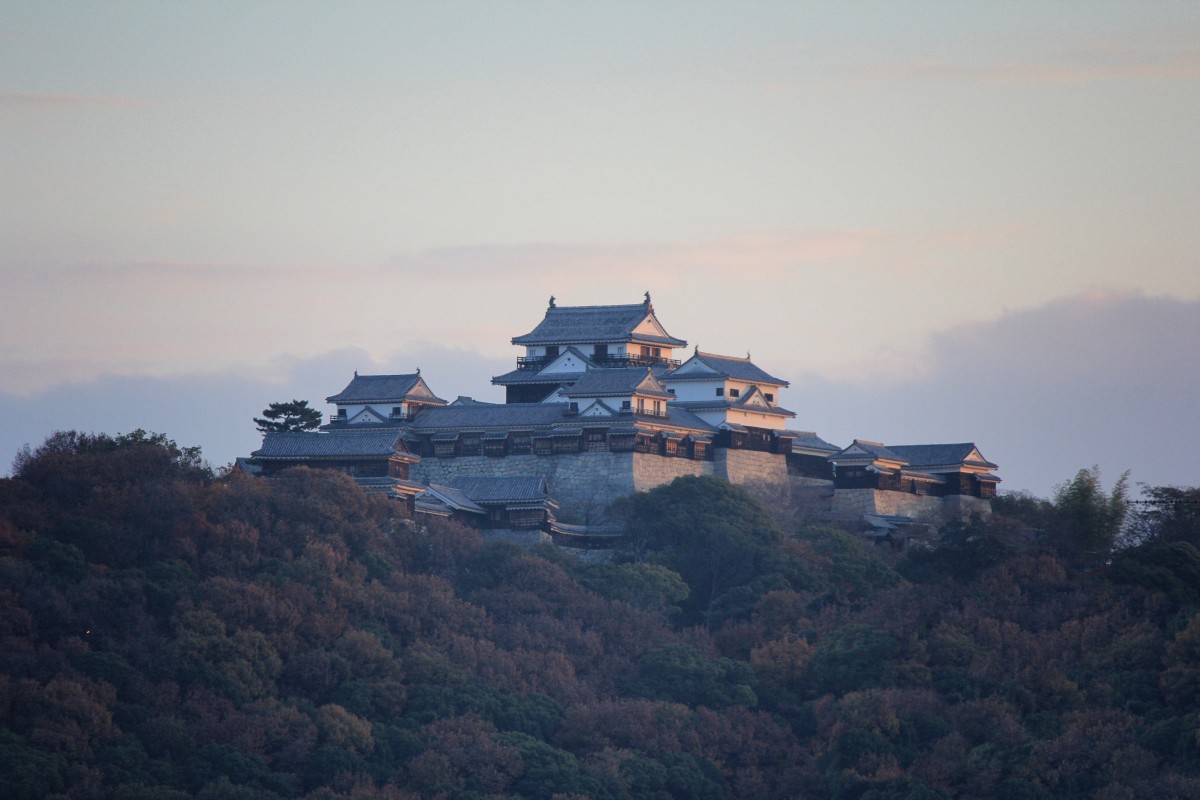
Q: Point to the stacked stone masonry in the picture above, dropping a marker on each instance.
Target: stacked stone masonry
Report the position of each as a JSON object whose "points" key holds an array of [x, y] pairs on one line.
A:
{"points": [[584, 483]]}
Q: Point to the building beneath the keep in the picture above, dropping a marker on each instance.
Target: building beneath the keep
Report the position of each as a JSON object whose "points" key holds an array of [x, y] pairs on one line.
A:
{"points": [[600, 406]]}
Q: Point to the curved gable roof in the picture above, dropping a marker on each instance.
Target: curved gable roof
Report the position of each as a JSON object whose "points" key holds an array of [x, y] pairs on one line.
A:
{"points": [[584, 324], [617, 382], [861, 448], [739, 369], [931, 455], [385, 389]]}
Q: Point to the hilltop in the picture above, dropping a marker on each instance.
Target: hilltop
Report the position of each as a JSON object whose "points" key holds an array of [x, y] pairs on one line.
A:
{"points": [[168, 633]]}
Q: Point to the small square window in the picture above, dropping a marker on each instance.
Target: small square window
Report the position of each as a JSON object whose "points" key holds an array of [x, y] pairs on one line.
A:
{"points": [[720, 391], [734, 392]]}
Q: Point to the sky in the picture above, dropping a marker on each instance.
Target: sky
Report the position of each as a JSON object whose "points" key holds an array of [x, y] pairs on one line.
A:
{"points": [[941, 222]]}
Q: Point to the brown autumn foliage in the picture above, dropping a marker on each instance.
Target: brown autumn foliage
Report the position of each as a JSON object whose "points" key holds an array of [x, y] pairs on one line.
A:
{"points": [[164, 633]]}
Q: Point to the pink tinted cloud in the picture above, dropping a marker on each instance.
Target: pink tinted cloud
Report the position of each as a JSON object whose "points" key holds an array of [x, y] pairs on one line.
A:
{"points": [[764, 255], [767, 256]]}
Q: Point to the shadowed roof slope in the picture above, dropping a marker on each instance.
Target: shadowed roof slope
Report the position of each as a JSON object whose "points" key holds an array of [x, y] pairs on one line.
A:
{"points": [[866, 448], [502, 490], [384, 389], [332, 444], [617, 382], [489, 415], [810, 440], [739, 369], [932, 455], [584, 324]]}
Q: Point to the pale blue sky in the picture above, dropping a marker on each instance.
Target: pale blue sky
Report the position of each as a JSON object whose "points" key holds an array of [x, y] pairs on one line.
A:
{"points": [[226, 189]]}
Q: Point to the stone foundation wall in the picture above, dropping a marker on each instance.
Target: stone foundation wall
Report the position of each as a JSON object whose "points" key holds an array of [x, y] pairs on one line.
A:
{"points": [[651, 470], [749, 466], [820, 483], [853, 503], [580, 482], [900, 504], [583, 484], [577, 481]]}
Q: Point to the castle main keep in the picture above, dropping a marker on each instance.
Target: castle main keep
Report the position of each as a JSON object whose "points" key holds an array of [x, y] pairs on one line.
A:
{"points": [[604, 402]]}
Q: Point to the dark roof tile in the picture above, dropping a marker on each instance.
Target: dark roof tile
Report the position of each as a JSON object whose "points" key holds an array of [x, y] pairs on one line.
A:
{"points": [[586, 324], [331, 444], [810, 440], [930, 455], [381, 389], [502, 490], [739, 369], [613, 382], [488, 415]]}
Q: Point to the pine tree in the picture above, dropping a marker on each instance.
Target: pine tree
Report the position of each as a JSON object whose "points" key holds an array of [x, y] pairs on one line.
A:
{"points": [[293, 416]]}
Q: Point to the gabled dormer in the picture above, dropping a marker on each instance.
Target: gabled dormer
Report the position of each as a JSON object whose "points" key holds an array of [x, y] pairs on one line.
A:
{"points": [[630, 390], [597, 408], [754, 399], [864, 464], [382, 400], [570, 362], [728, 390], [540, 381], [864, 453]]}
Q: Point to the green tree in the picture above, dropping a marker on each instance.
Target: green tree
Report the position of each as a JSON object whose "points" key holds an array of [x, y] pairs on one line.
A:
{"points": [[1086, 520], [684, 674], [647, 586], [1166, 514], [712, 533], [285, 417]]}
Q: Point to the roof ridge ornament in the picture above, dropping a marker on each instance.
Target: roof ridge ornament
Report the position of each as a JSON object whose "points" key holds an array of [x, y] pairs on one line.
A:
{"points": [[648, 300], [552, 305]]}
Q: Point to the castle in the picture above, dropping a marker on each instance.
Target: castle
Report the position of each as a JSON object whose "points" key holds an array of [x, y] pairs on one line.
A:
{"points": [[600, 406]]}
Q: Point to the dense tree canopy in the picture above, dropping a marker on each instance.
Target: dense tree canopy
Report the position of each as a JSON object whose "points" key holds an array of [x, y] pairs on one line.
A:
{"points": [[1087, 521], [1166, 514], [165, 634]]}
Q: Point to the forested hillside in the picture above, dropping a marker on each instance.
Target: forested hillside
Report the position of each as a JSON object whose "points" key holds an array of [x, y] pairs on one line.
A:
{"points": [[166, 633]]}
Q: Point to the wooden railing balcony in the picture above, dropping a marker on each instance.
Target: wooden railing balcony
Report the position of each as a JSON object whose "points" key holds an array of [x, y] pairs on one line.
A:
{"points": [[617, 360], [526, 362], [645, 412], [333, 418], [630, 360]]}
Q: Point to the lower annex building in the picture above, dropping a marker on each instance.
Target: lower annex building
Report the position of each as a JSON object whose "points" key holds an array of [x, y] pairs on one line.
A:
{"points": [[599, 407]]}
